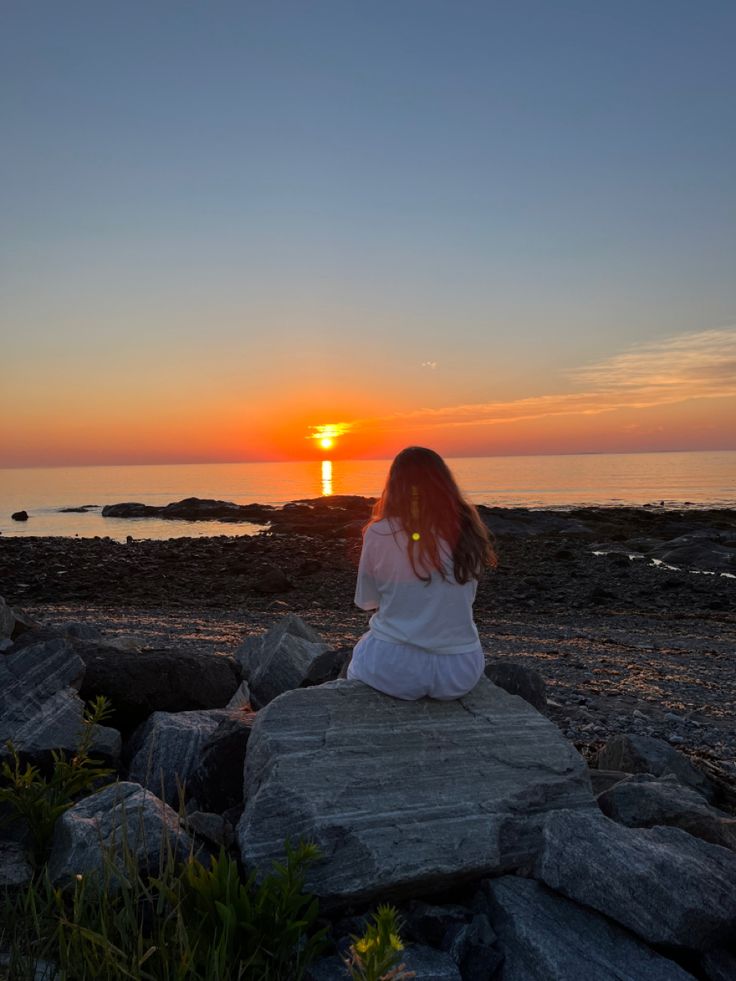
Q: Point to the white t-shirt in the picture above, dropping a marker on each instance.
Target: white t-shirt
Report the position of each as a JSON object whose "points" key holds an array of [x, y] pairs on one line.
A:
{"points": [[436, 616]]}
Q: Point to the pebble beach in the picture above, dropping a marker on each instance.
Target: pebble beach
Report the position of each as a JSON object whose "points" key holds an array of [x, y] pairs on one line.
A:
{"points": [[629, 614]]}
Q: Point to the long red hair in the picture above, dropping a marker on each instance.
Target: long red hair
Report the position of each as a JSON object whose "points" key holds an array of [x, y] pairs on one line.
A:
{"points": [[422, 496]]}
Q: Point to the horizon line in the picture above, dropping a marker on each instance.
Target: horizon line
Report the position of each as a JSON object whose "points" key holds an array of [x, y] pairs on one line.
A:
{"points": [[460, 456]]}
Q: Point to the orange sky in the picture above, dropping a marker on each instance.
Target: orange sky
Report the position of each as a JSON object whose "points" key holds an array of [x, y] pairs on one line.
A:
{"points": [[678, 393], [464, 225]]}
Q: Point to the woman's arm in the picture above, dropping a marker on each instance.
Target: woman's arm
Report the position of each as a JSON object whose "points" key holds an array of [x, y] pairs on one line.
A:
{"points": [[367, 596]]}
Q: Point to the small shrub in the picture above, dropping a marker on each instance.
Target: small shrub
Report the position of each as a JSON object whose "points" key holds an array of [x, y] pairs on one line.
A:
{"points": [[376, 955], [39, 801], [189, 922]]}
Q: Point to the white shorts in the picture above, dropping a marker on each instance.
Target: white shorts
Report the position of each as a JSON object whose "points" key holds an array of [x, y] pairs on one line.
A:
{"points": [[410, 672]]}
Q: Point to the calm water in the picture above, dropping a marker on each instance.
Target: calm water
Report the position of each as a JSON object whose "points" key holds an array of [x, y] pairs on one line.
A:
{"points": [[698, 479]]}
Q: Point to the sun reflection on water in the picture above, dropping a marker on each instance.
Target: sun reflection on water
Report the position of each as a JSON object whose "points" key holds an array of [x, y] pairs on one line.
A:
{"points": [[326, 478]]}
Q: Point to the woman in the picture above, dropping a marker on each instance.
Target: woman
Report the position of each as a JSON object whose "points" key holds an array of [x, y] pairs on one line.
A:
{"points": [[423, 551]]}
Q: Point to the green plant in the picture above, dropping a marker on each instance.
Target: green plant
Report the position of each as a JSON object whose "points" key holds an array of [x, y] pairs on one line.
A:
{"points": [[38, 800], [268, 927], [375, 956], [188, 923]]}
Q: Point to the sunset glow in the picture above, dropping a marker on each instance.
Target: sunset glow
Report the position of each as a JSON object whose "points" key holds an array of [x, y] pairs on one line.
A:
{"points": [[438, 236]]}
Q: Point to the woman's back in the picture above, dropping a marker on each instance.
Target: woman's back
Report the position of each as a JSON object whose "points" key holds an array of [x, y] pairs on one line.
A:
{"points": [[435, 615], [423, 552]]}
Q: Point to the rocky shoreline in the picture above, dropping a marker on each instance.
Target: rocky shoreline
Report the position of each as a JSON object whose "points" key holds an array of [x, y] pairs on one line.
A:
{"points": [[623, 644], [511, 856]]}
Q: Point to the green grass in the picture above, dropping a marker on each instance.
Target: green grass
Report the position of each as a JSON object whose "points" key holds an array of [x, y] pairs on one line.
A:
{"points": [[187, 922]]}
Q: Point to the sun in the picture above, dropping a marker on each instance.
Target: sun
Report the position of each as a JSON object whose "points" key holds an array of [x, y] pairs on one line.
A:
{"points": [[327, 435]]}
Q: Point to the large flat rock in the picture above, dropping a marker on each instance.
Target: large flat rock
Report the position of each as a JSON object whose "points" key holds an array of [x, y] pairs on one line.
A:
{"points": [[401, 796]]}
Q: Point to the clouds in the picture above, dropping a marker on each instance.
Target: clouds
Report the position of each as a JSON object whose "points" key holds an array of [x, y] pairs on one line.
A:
{"points": [[700, 365]]}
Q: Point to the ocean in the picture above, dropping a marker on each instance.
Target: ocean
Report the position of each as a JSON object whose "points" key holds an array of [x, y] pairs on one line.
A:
{"points": [[695, 479]]}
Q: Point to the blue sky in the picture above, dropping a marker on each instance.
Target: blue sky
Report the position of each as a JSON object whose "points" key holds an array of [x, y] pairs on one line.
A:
{"points": [[284, 197]]}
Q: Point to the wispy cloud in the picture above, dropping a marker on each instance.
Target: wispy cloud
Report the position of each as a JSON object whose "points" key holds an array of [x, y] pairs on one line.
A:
{"points": [[429, 364], [677, 369], [330, 431]]}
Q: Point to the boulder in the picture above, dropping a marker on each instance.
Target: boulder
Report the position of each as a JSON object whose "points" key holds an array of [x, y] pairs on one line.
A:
{"points": [[328, 666], [7, 620], [217, 781], [403, 797], [141, 683], [633, 753], [39, 708], [518, 680], [279, 659], [661, 883], [19, 516], [643, 801], [100, 829], [544, 936], [168, 747]]}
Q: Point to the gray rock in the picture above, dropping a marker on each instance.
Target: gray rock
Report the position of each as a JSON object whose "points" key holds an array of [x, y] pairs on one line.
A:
{"points": [[217, 780], [646, 754], [473, 947], [7, 620], [544, 936], [96, 833], [168, 749], [210, 826], [39, 708], [402, 797], [15, 869], [428, 923], [642, 801], [139, 683], [241, 698], [686, 551], [279, 659], [430, 965], [719, 965], [519, 680], [661, 883]]}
